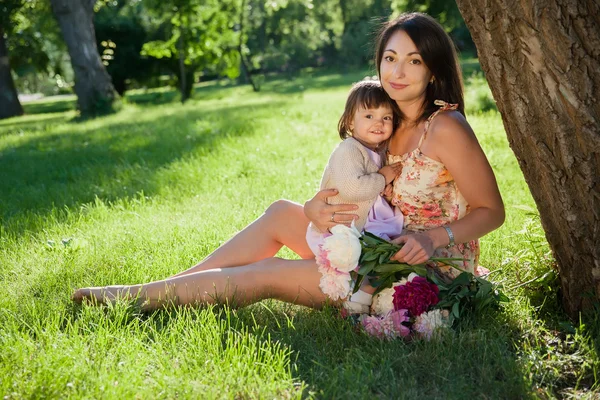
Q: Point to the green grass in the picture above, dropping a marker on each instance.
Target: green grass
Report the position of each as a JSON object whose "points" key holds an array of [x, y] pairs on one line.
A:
{"points": [[149, 191]]}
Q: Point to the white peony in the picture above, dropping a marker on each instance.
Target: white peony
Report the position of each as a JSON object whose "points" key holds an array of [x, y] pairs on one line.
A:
{"points": [[428, 323], [342, 248], [383, 302]]}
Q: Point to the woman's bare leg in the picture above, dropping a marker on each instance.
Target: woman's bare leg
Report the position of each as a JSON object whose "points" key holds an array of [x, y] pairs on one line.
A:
{"points": [[282, 224], [293, 281]]}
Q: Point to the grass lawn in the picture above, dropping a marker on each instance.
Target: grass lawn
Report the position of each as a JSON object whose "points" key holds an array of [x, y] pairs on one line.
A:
{"points": [[151, 190]]}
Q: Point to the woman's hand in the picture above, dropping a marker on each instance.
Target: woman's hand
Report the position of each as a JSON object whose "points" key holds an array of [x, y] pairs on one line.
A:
{"points": [[417, 248], [325, 216]]}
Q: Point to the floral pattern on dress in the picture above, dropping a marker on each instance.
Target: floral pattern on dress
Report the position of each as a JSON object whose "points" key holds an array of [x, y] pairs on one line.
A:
{"points": [[428, 196]]}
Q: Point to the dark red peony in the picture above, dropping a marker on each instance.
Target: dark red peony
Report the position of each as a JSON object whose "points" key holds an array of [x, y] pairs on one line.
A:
{"points": [[417, 296]]}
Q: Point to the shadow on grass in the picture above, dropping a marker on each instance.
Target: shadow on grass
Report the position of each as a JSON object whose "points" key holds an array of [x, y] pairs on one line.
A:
{"points": [[114, 161], [337, 361], [16, 126], [157, 97], [51, 105]]}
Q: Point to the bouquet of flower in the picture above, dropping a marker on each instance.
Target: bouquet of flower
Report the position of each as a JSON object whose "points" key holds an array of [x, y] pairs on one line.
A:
{"points": [[410, 300]]}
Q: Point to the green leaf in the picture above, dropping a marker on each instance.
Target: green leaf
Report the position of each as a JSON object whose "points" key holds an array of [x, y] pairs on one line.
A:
{"points": [[455, 310], [359, 280], [394, 268], [384, 258], [463, 279], [366, 268], [368, 256]]}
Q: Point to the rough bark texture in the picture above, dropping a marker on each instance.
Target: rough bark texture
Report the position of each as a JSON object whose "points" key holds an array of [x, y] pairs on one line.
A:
{"points": [[541, 59], [95, 92], [9, 99]]}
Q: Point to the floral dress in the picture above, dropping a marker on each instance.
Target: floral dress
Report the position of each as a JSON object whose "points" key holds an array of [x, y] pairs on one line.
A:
{"points": [[428, 197]]}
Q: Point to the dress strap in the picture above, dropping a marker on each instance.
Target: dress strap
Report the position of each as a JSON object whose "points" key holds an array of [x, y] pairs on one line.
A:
{"points": [[444, 106]]}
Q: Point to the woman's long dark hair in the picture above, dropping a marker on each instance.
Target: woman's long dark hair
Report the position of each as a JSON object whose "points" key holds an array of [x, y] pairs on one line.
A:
{"points": [[438, 53]]}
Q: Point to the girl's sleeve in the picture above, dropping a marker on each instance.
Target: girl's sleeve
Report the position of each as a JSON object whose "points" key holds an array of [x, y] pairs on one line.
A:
{"points": [[347, 168]]}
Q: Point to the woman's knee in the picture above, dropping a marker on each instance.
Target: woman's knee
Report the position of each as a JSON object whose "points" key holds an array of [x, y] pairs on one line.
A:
{"points": [[283, 208]]}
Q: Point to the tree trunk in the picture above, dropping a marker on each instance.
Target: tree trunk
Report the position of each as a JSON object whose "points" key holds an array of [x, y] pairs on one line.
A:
{"points": [[245, 68], [541, 61], [182, 73], [9, 100], [95, 92], [186, 82]]}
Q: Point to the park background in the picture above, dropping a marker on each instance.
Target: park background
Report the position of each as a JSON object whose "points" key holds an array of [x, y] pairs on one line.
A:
{"points": [[154, 185]]}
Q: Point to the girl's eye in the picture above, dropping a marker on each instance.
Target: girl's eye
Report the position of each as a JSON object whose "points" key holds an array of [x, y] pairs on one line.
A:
{"points": [[414, 62], [387, 118], [368, 116], [388, 58]]}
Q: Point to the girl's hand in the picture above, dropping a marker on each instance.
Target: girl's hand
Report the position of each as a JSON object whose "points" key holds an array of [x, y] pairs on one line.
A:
{"points": [[325, 216], [388, 191], [417, 248], [390, 172]]}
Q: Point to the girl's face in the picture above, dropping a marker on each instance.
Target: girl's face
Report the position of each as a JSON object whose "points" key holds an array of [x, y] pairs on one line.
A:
{"points": [[404, 75], [372, 126]]}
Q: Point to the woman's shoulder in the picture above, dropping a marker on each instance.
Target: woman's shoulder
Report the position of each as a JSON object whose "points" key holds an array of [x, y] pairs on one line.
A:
{"points": [[449, 126]]}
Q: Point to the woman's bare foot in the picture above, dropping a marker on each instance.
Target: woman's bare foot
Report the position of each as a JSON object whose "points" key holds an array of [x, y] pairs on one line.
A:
{"points": [[102, 295]]}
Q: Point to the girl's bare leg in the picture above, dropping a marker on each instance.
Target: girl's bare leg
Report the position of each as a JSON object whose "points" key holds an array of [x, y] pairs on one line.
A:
{"points": [[293, 281], [282, 224]]}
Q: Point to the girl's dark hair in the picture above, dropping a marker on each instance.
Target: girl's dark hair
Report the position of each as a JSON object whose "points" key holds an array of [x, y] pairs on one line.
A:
{"points": [[368, 94], [438, 53]]}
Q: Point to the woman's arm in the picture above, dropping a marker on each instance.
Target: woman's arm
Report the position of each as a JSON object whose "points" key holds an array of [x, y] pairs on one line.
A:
{"points": [[452, 141], [319, 212]]}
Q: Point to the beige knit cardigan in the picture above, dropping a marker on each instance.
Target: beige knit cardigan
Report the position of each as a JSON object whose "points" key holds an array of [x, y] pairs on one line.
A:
{"points": [[351, 171]]}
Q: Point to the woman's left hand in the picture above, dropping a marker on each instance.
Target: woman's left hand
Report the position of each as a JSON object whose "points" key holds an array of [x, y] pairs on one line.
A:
{"points": [[417, 248]]}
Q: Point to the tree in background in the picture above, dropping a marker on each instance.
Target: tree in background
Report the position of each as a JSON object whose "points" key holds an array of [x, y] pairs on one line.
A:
{"points": [[243, 48], [361, 21], [541, 61], [194, 36], [93, 87], [120, 35], [37, 51], [444, 11], [285, 36], [9, 99]]}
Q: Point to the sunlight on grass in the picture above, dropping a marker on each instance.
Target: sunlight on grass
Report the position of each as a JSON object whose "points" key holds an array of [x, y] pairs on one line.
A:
{"points": [[149, 191]]}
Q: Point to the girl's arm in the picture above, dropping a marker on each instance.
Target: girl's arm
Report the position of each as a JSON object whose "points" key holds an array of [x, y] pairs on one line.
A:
{"points": [[452, 141], [347, 172]]}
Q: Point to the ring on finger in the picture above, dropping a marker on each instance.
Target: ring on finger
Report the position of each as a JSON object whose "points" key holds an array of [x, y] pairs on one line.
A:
{"points": [[332, 216]]}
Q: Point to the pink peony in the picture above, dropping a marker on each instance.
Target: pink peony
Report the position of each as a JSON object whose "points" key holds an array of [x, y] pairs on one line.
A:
{"points": [[416, 296], [387, 327], [334, 283]]}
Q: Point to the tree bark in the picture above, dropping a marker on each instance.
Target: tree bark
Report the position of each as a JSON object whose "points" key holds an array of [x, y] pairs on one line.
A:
{"points": [[541, 61], [93, 86], [9, 99]]}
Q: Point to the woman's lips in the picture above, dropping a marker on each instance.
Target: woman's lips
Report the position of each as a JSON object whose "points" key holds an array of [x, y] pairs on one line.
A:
{"points": [[397, 86]]}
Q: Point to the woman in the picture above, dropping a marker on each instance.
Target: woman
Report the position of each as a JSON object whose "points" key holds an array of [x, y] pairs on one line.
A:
{"points": [[417, 65]]}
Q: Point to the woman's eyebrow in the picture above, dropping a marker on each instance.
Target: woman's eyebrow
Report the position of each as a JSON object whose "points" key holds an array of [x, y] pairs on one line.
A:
{"points": [[408, 54]]}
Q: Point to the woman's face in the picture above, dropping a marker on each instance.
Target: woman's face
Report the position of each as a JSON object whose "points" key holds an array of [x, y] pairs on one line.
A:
{"points": [[404, 75]]}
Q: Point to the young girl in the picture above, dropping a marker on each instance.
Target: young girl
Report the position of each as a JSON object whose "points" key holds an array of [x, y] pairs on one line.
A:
{"points": [[355, 169]]}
